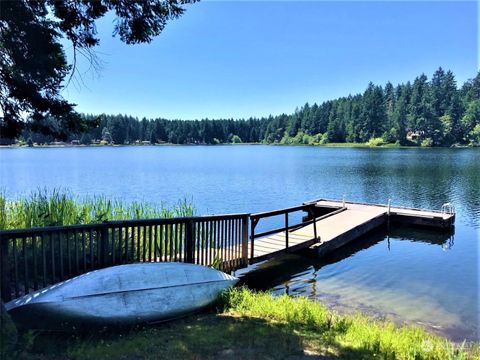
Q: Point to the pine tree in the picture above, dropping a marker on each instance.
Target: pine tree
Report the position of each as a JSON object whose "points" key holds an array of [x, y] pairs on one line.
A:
{"points": [[374, 113], [403, 94]]}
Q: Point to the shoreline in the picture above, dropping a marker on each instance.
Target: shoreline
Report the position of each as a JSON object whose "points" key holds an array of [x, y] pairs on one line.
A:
{"points": [[246, 324], [328, 145]]}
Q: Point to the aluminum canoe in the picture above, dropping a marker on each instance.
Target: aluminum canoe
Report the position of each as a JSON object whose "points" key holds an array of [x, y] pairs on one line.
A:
{"points": [[121, 295]]}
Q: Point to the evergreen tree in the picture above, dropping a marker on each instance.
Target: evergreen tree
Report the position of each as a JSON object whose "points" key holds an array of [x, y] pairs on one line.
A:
{"points": [[403, 94], [373, 117], [437, 110], [390, 103]]}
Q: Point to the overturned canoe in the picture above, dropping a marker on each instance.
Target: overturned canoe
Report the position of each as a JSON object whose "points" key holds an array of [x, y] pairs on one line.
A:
{"points": [[121, 295]]}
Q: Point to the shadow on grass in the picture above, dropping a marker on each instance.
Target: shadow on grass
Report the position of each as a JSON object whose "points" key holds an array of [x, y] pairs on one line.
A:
{"points": [[206, 336]]}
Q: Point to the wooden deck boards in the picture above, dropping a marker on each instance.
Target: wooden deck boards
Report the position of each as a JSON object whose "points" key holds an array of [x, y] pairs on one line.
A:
{"points": [[339, 228]]}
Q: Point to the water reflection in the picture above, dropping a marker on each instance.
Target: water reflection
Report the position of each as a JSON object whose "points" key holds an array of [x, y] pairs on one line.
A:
{"points": [[419, 178], [280, 271], [384, 274]]}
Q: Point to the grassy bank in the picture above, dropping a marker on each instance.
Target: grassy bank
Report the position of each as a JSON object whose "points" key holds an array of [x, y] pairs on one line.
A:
{"points": [[250, 325], [47, 208]]}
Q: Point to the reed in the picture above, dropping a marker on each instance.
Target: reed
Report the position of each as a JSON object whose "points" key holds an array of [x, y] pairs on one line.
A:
{"points": [[57, 207]]}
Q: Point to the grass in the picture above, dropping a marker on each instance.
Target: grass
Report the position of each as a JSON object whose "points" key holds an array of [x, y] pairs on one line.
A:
{"points": [[363, 145], [249, 325], [56, 207]]}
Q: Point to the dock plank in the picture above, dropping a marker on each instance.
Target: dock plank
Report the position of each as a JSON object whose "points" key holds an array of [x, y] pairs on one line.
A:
{"points": [[336, 229]]}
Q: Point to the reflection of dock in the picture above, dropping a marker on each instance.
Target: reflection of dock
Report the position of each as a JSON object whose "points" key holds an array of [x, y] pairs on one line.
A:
{"points": [[341, 223], [283, 268]]}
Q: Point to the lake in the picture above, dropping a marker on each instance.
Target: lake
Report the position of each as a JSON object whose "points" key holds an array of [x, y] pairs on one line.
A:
{"points": [[413, 275]]}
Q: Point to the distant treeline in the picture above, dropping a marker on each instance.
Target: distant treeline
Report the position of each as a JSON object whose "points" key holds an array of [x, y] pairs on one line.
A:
{"points": [[428, 113]]}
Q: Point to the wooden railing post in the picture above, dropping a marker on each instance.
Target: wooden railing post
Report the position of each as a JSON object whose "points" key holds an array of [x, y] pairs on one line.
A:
{"points": [[245, 221], [104, 245], [189, 248], [312, 213], [252, 238], [5, 291], [286, 231]]}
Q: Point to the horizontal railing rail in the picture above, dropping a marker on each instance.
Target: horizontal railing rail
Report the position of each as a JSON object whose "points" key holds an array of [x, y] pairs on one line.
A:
{"points": [[290, 227], [256, 217], [34, 258], [393, 207], [54, 228], [288, 210]]}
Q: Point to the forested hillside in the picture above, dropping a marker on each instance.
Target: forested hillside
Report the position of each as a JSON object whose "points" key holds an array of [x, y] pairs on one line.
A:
{"points": [[426, 112]]}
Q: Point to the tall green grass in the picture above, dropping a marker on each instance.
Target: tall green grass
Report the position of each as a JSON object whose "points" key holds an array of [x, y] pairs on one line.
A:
{"points": [[344, 334], [252, 325], [56, 207]]}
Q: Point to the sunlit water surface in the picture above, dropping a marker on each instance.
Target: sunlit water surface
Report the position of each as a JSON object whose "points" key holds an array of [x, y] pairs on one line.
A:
{"points": [[411, 275]]}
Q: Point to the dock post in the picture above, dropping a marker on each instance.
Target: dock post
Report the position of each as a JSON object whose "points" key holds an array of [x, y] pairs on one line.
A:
{"points": [[245, 221], [286, 231], [343, 201], [314, 218], [252, 238]]}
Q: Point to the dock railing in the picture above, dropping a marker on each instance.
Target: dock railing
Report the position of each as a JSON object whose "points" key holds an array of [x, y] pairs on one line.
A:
{"points": [[38, 257], [255, 218]]}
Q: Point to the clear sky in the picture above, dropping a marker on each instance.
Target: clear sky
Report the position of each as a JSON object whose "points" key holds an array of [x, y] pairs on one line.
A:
{"points": [[238, 59]]}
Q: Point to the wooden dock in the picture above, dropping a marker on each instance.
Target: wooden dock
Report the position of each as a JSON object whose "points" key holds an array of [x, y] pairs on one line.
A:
{"points": [[341, 223], [34, 258]]}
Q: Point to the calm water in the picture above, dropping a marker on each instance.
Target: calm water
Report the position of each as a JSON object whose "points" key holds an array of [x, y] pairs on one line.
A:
{"points": [[408, 275]]}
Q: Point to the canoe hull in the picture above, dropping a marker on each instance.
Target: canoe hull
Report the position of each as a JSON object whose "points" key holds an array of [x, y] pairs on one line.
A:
{"points": [[123, 295]]}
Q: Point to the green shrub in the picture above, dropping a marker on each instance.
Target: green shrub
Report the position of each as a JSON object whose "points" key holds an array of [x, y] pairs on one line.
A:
{"points": [[375, 142], [236, 139], [324, 139], [474, 136], [427, 142]]}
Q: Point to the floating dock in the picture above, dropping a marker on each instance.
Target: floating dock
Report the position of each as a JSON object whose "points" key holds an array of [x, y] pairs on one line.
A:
{"points": [[341, 223]]}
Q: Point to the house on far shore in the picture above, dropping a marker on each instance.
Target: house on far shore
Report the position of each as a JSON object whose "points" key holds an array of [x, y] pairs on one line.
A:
{"points": [[75, 142], [57, 143], [414, 135], [146, 142]]}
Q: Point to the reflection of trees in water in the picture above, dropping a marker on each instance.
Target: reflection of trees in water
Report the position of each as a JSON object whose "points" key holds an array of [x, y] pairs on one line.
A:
{"points": [[305, 264], [469, 182], [424, 178]]}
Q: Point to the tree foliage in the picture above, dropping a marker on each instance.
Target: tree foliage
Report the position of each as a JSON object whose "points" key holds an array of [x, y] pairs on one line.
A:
{"points": [[33, 64], [435, 113]]}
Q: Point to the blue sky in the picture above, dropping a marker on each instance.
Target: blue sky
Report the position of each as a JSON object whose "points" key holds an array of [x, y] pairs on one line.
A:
{"points": [[239, 59]]}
